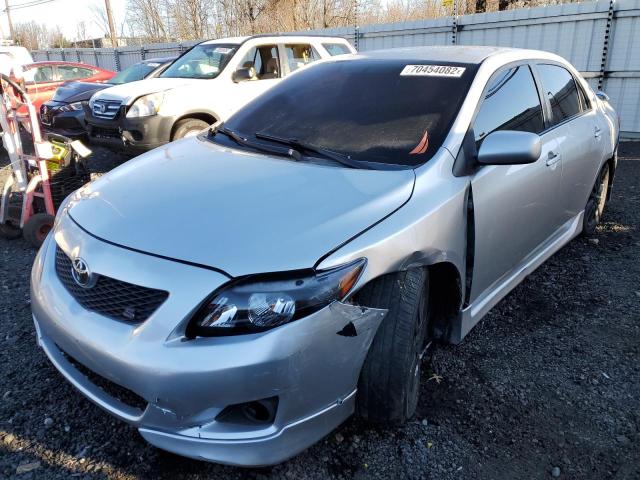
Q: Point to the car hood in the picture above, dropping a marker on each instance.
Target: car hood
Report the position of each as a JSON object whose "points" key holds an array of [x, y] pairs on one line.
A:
{"points": [[77, 91], [128, 92], [240, 212]]}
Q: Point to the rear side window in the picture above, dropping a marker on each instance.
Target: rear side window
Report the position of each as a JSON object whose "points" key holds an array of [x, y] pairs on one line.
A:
{"points": [[336, 48], [560, 88], [511, 103], [299, 55]]}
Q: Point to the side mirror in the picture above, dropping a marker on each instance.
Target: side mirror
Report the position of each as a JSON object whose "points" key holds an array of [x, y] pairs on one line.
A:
{"points": [[508, 147], [244, 74], [602, 96]]}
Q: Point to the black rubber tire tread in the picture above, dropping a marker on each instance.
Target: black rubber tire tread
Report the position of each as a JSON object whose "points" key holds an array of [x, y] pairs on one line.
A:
{"points": [[31, 229], [590, 230], [187, 125], [383, 387]]}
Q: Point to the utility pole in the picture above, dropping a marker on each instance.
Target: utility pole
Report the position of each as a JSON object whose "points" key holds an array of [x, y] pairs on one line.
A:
{"points": [[6, 3], [112, 28]]}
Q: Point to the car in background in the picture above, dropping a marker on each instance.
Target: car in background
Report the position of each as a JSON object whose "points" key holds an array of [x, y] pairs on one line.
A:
{"points": [[205, 85], [43, 78], [64, 113], [12, 60], [237, 295]]}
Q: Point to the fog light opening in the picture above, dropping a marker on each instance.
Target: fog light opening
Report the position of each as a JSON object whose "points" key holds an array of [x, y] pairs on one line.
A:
{"points": [[257, 412]]}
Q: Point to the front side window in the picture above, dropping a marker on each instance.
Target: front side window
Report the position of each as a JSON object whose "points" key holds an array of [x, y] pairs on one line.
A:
{"points": [[336, 49], [366, 109], [560, 88], [264, 59], [299, 55], [69, 72], [202, 61], [39, 75], [511, 103]]}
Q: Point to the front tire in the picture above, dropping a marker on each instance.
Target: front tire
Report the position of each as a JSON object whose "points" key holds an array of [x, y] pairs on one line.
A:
{"points": [[37, 228], [188, 127], [594, 208], [389, 384]]}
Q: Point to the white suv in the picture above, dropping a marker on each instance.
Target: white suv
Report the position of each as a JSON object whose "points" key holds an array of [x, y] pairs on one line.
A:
{"points": [[205, 85]]}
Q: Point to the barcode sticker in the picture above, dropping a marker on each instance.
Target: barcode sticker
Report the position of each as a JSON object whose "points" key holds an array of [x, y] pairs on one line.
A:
{"points": [[432, 71]]}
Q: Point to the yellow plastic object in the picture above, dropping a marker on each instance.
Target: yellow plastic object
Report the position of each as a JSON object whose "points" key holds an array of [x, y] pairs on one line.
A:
{"points": [[60, 152]]}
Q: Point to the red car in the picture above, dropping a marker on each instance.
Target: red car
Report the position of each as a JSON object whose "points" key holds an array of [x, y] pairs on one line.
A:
{"points": [[43, 78]]}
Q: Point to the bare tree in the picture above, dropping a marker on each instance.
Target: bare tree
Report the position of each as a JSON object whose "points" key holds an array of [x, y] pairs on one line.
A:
{"points": [[150, 19], [35, 36]]}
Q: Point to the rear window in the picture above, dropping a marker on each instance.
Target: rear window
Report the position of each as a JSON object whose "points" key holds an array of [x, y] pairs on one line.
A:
{"points": [[371, 110]]}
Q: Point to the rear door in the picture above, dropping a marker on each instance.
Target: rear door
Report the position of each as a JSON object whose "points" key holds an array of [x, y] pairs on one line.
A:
{"points": [[578, 131], [516, 207], [298, 55]]}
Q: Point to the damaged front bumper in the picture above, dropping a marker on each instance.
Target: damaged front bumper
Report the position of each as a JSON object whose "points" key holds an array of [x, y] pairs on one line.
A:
{"points": [[310, 366]]}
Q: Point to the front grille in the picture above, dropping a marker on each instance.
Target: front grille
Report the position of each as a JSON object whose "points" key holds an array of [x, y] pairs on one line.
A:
{"points": [[110, 297], [107, 109], [112, 389]]}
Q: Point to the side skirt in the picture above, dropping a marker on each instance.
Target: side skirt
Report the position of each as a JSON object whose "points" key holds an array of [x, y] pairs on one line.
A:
{"points": [[471, 315]]}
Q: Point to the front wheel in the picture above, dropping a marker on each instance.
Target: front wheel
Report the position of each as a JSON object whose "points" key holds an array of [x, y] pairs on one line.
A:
{"points": [[189, 127], [597, 200], [389, 384]]}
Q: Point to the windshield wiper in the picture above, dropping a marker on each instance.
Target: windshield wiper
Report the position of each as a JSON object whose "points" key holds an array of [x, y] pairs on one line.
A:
{"points": [[340, 158], [245, 142]]}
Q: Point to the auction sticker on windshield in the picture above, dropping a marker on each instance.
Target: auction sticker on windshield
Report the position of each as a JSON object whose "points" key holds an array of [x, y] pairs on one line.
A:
{"points": [[432, 71]]}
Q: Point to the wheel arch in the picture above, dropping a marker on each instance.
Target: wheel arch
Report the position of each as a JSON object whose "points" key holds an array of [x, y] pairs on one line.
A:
{"points": [[205, 116], [445, 292]]}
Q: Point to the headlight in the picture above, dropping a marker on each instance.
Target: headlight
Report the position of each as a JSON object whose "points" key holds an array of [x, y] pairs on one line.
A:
{"points": [[258, 303], [72, 107], [146, 105]]}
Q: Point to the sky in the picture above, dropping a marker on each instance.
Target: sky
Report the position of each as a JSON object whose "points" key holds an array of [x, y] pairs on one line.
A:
{"points": [[63, 13]]}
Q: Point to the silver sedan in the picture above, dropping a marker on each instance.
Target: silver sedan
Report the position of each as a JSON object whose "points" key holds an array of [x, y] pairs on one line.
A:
{"points": [[238, 295]]}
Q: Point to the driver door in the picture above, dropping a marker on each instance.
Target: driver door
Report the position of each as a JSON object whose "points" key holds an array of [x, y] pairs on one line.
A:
{"points": [[266, 61], [516, 207]]}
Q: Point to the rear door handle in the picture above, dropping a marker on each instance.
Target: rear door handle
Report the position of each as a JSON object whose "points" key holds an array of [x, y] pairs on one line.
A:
{"points": [[597, 132], [552, 158]]}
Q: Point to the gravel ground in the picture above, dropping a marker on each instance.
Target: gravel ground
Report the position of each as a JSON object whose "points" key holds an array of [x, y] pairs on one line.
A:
{"points": [[547, 385]]}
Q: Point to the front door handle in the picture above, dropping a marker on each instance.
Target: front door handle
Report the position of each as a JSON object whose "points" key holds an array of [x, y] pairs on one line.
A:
{"points": [[597, 132], [552, 158]]}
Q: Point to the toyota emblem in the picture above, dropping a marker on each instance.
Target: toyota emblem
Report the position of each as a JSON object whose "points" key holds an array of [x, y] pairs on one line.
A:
{"points": [[81, 273]]}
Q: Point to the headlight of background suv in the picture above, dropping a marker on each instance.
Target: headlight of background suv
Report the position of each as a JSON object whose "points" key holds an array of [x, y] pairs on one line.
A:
{"points": [[75, 106], [146, 105], [258, 302]]}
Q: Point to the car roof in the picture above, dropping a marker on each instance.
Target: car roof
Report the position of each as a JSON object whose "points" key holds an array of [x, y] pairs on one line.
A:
{"points": [[275, 36], [468, 54], [60, 62]]}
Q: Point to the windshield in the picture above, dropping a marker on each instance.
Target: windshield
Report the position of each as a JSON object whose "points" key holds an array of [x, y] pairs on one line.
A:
{"points": [[202, 61], [369, 110], [134, 72]]}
